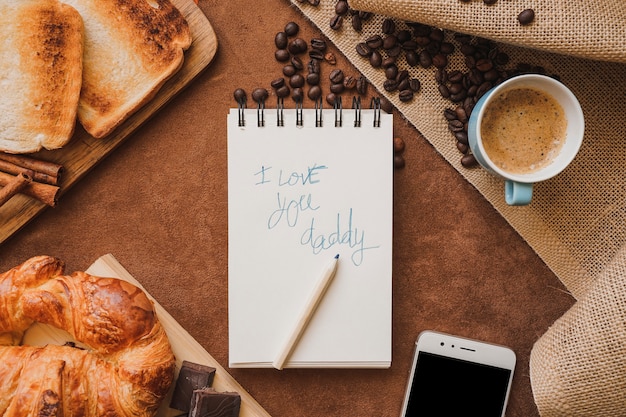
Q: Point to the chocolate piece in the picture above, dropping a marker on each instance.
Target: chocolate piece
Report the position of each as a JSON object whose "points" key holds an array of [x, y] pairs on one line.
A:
{"points": [[209, 403], [192, 376]]}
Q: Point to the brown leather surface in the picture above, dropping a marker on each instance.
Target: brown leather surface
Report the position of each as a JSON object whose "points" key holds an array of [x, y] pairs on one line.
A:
{"points": [[159, 205]]}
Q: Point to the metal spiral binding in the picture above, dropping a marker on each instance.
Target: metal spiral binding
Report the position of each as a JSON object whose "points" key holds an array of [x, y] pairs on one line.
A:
{"points": [[299, 121], [260, 114], [318, 112], [356, 105], [241, 105], [280, 119], [338, 112], [375, 104]]}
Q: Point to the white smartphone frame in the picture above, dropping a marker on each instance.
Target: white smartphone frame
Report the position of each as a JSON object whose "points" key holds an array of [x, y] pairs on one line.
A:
{"points": [[462, 348]]}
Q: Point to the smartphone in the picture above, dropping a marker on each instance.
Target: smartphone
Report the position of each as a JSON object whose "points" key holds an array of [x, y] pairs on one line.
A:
{"points": [[456, 376]]}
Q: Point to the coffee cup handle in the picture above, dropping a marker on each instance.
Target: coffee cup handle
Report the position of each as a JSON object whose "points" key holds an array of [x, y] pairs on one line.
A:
{"points": [[517, 193]]}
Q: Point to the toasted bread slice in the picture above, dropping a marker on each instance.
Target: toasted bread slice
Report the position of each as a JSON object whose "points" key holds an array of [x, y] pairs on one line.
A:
{"points": [[41, 50], [132, 47]]}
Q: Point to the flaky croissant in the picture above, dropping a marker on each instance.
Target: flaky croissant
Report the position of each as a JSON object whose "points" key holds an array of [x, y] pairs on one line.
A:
{"points": [[126, 368]]}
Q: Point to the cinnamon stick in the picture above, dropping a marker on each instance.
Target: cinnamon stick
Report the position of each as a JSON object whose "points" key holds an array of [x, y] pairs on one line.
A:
{"points": [[11, 168], [46, 193], [45, 167], [14, 186]]}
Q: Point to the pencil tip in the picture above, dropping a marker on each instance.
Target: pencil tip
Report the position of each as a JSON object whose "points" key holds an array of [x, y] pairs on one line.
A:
{"points": [[337, 256]]}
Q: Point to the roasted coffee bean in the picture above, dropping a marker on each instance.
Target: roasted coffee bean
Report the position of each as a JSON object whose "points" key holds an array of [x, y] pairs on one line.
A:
{"points": [[460, 114], [406, 95], [282, 55], [420, 29], [440, 60], [388, 26], [356, 22], [409, 45], [389, 42], [331, 98], [415, 84], [422, 41], [260, 94], [458, 97], [461, 136], [336, 76], [389, 61], [374, 41], [489, 2], [425, 59], [404, 35], [455, 88], [484, 64], [412, 58], [483, 88], [502, 58], [476, 77], [469, 161], [443, 90], [316, 54], [289, 70], [297, 63], [526, 16], [362, 85], [337, 88], [330, 58], [349, 82], [402, 75], [296, 81], [341, 7], [446, 48], [281, 40], [283, 91], [491, 75], [363, 50], [463, 148], [336, 22], [441, 76], [376, 59], [297, 94], [297, 46], [318, 44], [240, 95], [277, 83], [455, 125], [314, 66], [315, 92], [436, 35], [395, 51], [390, 85], [391, 72], [313, 78], [292, 28], [398, 145], [455, 76], [403, 85], [450, 114], [398, 162]]}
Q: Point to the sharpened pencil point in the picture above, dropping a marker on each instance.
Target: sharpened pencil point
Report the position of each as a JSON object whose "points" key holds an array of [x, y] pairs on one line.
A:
{"points": [[337, 256]]}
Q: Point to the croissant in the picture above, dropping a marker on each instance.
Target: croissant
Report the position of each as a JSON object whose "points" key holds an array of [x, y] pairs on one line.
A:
{"points": [[125, 368]]}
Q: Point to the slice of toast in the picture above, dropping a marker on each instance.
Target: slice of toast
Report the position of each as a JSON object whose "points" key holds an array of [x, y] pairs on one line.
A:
{"points": [[132, 47], [41, 50]]}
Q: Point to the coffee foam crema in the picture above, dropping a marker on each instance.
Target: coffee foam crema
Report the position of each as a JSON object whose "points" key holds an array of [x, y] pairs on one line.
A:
{"points": [[523, 130]]}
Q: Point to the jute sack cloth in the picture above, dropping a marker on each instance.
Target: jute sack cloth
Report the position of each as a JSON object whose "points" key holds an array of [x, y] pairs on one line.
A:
{"points": [[576, 221], [578, 367], [584, 28]]}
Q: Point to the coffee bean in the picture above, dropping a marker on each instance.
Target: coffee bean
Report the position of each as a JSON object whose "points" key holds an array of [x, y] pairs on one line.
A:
{"points": [[313, 78], [281, 40], [489, 2], [461, 137], [277, 83], [441, 76], [376, 59], [395, 51], [240, 95], [484, 65], [443, 90], [314, 66], [440, 60], [415, 85], [391, 72], [526, 16], [336, 76], [455, 88], [289, 70], [316, 54], [292, 28], [450, 114], [318, 44], [296, 81], [402, 75], [363, 50], [336, 22], [455, 125], [425, 59], [390, 85], [331, 98], [412, 58], [404, 35], [297, 94], [282, 55], [460, 114], [447, 48], [315, 92], [260, 94], [463, 148], [297, 46], [389, 42], [386, 105], [297, 63], [330, 58], [283, 91], [398, 162], [389, 61], [403, 84], [337, 88], [349, 82], [405, 95], [342, 7], [389, 26], [357, 23], [469, 161], [398, 145], [374, 41], [362, 85], [436, 35]]}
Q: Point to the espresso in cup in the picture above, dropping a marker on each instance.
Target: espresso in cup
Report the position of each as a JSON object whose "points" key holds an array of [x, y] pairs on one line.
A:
{"points": [[523, 130], [526, 130]]}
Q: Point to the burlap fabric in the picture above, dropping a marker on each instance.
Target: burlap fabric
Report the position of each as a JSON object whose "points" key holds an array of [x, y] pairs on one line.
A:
{"points": [[577, 221], [583, 28], [577, 368]]}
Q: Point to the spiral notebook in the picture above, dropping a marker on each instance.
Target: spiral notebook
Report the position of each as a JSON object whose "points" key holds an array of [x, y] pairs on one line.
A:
{"points": [[303, 186]]}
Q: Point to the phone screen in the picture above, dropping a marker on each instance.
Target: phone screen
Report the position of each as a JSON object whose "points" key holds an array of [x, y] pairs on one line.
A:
{"points": [[445, 386]]}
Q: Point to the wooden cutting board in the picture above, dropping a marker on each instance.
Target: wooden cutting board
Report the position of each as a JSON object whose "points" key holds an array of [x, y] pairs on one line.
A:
{"points": [[84, 152], [183, 345]]}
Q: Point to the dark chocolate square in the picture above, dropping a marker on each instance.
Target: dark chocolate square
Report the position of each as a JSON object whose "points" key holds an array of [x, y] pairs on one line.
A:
{"points": [[210, 403], [192, 376]]}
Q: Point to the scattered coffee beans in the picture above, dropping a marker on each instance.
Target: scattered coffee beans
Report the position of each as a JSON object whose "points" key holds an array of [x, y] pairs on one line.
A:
{"points": [[259, 95], [526, 16]]}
